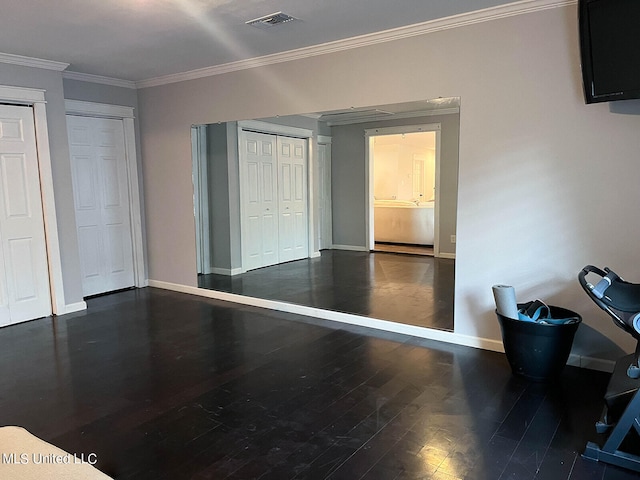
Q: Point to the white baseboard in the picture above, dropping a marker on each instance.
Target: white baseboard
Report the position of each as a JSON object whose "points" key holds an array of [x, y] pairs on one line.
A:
{"points": [[575, 360], [73, 307], [353, 248], [351, 319], [226, 271], [315, 255], [591, 363]]}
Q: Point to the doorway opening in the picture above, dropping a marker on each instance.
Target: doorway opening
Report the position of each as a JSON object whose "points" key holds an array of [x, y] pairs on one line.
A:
{"points": [[403, 189]]}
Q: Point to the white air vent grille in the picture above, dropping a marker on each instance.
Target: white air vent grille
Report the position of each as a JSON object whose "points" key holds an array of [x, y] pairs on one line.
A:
{"points": [[272, 20]]}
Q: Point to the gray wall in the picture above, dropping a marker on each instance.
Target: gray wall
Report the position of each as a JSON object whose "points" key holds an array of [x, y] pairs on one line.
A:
{"points": [[99, 93], [51, 81], [219, 227], [522, 117], [348, 178]]}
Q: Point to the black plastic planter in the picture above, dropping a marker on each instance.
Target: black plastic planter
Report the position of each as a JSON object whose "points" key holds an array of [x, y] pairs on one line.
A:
{"points": [[538, 351]]}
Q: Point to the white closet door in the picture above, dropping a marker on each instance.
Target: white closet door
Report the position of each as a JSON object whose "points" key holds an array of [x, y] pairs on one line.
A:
{"points": [[24, 276], [292, 196], [101, 196], [260, 200]]}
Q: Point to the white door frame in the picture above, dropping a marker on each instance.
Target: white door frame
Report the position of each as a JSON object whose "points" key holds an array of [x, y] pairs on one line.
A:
{"points": [[327, 228], [201, 194], [118, 112], [35, 98], [369, 180], [306, 134]]}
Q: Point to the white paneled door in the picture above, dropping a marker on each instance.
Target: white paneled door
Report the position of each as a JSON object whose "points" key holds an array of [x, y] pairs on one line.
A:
{"points": [[260, 187], [273, 176], [24, 275], [101, 197], [292, 199]]}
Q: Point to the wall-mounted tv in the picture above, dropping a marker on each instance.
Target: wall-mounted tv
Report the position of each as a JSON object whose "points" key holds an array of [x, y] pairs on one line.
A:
{"points": [[610, 49]]}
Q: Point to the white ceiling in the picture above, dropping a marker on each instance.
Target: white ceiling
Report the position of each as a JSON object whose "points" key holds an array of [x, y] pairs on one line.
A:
{"points": [[139, 40]]}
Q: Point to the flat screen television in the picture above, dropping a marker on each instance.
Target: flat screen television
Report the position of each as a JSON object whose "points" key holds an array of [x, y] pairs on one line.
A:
{"points": [[610, 49]]}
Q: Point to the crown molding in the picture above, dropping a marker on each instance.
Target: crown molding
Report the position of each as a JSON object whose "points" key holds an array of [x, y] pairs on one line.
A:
{"points": [[455, 21], [32, 62], [77, 107], [87, 77]]}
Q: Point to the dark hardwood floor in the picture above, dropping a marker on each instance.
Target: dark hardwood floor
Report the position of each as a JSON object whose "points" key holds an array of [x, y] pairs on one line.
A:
{"points": [[410, 289], [161, 385]]}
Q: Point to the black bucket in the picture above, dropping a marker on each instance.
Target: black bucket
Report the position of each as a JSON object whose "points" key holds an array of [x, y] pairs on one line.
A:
{"points": [[539, 351]]}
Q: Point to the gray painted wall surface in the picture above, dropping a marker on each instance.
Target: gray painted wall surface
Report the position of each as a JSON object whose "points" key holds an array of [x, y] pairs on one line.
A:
{"points": [[51, 81], [522, 117], [219, 228], [99, 93]]}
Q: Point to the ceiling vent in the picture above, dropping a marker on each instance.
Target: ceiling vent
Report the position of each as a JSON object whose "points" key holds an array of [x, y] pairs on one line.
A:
{"points": [[272, 20]]}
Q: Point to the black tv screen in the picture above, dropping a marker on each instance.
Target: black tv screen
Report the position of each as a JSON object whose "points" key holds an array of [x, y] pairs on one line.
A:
{"points": [[610, 49]]}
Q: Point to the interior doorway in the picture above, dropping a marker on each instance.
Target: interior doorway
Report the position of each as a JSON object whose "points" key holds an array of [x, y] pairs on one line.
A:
{"points": [[101, 197], [106, 196], [403, 189]]}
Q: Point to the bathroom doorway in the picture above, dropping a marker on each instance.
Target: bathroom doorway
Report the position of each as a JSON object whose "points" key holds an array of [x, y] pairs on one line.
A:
{"points": [[403, 189]]}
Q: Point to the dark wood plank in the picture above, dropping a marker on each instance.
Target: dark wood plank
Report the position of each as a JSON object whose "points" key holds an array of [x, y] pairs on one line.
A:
{"points": [[161, 385]]}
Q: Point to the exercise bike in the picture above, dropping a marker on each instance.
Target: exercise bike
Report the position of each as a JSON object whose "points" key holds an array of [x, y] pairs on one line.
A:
{"points": [[621, 414]]}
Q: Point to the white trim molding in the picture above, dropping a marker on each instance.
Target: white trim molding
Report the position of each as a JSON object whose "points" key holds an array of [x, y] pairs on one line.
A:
{"points": [[274, 128], [90, 109], [73, 308], [24, 96], [230, 272], [430, 26], [124, 113], [350, 248], [370, 134], [87, 77], [423, 28], [591, 363], [348, 318], [32, 62], [576, 360]]}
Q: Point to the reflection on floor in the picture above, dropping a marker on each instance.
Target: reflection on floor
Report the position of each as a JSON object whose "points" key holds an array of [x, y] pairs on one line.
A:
{"points": [[409, 289], [160, 385], [404, 248]]}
